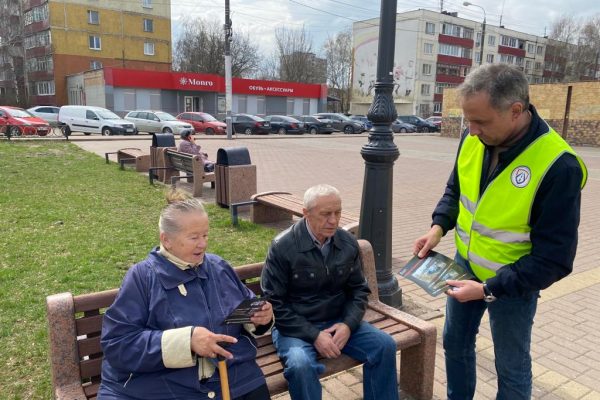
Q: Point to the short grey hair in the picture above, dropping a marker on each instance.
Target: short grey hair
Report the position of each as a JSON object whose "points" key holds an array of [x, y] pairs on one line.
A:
{"points": [[177, 205], [313, 193], [504, 83]]}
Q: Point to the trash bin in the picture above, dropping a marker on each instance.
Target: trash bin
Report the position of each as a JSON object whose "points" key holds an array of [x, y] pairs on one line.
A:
{"points": [[160, 141], [235, 176]]}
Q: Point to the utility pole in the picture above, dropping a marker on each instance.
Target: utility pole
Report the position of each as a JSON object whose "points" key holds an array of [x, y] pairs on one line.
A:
{"points": [[228, 94]]}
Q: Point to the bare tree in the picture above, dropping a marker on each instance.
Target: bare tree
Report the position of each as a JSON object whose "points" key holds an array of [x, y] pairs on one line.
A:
{"points": [[589, 49], [268, 68], [201, 47], [563, 33], [297, 61], [338, 52]]}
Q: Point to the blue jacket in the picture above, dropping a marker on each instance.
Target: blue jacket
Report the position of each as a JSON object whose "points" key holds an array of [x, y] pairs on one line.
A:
{"points": [[149, 303]]}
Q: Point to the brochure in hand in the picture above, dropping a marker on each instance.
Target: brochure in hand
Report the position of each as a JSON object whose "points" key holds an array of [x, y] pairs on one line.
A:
{"points": [[432, 271], [243, 312]]}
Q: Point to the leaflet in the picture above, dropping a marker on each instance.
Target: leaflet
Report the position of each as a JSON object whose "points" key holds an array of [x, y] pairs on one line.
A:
{"points": [[244, 311], [432, 271]]}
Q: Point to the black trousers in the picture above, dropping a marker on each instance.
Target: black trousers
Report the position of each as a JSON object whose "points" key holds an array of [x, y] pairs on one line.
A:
{"points": [[260, 393]]}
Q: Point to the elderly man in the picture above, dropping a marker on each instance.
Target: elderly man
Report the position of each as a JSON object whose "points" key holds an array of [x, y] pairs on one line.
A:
{"points": [[314, 278], [513, 198]]}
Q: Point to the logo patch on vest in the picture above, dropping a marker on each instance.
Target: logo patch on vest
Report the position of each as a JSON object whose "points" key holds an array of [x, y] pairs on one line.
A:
{"points": [[520, 176]]}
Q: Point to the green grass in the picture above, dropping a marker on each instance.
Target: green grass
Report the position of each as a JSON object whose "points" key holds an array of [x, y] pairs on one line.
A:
{"points": [[69, 222]]}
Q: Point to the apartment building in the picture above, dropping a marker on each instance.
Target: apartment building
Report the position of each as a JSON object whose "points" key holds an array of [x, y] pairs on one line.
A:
{"points": [[63, 37], [435, 51]]}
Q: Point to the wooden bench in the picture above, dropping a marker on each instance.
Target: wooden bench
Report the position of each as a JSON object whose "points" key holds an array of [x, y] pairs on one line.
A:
{"points": [[281, 206], [131, 155], [192, 165], [75, 323]]}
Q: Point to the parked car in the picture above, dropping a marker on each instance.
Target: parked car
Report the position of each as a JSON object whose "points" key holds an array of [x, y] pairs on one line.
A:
{"points": [[250, 124], [314, 125], [420, 123], [403, 127], [15, 121], [156, 121], [47, 113], [436, 120], [362, 118], [90, 119], [203, 122], [342, 123], [285, 125]]}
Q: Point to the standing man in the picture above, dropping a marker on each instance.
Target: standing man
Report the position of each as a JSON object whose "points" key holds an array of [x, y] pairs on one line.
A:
{"points": [[313, 274], [513, 198]]}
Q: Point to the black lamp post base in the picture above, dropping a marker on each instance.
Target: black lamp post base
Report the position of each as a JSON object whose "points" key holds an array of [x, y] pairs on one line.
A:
{"points": [[390, 293]]}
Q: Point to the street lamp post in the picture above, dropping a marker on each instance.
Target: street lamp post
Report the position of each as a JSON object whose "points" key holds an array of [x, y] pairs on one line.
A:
{"points": [[379, 154], [228, 91], [466, 4]]}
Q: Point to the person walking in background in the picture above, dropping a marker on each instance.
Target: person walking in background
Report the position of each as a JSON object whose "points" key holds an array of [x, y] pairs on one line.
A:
{"points": [[188, 145], [313, 275], [513, 199]]}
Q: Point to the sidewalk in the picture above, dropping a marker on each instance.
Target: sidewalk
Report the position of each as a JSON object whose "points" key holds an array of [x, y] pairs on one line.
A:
{"points": [[566, 335]]}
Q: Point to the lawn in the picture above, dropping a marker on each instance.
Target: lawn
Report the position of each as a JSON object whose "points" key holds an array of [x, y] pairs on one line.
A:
{"points": [[69, 222]]}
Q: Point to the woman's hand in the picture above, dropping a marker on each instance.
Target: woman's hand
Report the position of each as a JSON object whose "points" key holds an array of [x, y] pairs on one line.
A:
{"points": [[263, 316], [205, 343]]}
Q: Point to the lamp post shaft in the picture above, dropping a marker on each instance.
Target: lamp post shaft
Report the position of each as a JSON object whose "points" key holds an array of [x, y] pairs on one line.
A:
{"points": [[379, 154]]}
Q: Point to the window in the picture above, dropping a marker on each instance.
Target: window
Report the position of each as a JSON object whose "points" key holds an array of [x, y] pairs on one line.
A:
{"points": [[430, 28], [478, 39], [437, 108], [453, 70], [93, 17], [290, 106], [424, 109], [306, 106], [261, 105], [491, 40], [426, 69], [457, 31], [90, 115], [44, 88], [512, 42], [530, 47], [455, 51], [540, 50], [148, 25], [95, 64], [538, 65], [95, 43], [44, 63], [242, 104], [507, 58], [440, 86], [147, 3], [36, 14], [425, 89], [477, 57], [519, 61], [149, 48], [428, 48], [40, 39], [489, 58], [528, 65]]}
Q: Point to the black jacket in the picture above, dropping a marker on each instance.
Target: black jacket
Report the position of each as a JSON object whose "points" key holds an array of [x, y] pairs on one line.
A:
{"points": [[305, 288], [554, 218]]}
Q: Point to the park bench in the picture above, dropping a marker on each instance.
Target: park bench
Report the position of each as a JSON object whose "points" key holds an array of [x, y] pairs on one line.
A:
{"points": [[75, 324], [131, 155], [282, 206], [192, 165]]}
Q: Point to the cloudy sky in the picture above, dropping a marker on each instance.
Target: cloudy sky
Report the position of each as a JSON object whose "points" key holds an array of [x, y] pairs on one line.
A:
{"points": [[324, 18]]}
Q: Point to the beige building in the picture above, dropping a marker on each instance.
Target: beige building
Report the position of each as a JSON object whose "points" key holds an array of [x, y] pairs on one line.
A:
{"points": [[435, 51]]}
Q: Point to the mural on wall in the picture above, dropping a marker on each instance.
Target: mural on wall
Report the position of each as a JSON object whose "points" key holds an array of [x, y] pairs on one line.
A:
{"points": [[366, 40]]}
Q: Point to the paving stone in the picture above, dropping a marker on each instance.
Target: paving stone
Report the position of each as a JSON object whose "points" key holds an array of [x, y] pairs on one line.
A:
{"points": [[550, 380], [571, 390]]}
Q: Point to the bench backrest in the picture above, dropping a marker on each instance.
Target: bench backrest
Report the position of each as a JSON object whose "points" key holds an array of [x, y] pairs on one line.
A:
{"points": [[181, 161], [75, 325]]}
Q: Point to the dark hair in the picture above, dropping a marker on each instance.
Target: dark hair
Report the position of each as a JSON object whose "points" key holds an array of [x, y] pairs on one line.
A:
{"points": [[185, 133]]}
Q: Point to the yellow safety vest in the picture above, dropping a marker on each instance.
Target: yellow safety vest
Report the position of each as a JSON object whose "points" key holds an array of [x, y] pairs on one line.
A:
{"points": [[493, 230]]}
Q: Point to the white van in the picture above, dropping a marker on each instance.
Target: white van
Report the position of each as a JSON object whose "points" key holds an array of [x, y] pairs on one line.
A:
{"points": [[89, 119]]}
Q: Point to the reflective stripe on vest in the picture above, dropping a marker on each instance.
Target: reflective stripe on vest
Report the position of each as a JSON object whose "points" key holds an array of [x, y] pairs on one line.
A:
{"points": [[493, 230]]}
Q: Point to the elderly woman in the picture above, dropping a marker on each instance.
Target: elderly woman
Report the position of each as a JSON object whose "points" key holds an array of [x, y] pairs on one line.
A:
{"points": [[166, 327]]}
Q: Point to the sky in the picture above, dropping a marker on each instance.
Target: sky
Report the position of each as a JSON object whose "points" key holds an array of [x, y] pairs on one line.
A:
{"points": [[325, 18]]}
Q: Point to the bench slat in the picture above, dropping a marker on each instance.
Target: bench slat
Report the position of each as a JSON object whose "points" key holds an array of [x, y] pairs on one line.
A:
{"points": [[91, 390], [94, 301], [88, 325], [90, 368], [89, 346]]}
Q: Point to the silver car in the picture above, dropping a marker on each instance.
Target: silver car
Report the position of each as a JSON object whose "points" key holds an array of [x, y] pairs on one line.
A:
{"points": [[47, 113], [156, 122]]}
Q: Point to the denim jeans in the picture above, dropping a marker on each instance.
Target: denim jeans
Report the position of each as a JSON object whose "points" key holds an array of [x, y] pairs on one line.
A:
{"points": [[511, 321], [367, 344]]}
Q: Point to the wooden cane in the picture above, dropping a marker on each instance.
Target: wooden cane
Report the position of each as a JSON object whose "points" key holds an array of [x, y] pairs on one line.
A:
{"points": [[224, 378]]}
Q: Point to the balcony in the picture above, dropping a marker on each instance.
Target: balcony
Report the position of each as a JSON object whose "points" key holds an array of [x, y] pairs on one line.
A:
{"points": [[511, 51], [456, 41], [454, 60]]}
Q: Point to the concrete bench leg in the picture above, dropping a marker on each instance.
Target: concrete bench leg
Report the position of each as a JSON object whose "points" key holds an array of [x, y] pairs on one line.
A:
{"points": [[264, 214], [417, 369]]}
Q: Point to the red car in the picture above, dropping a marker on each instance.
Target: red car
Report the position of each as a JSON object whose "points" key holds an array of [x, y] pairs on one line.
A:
{"points": [[203, 122], [15, 121]]}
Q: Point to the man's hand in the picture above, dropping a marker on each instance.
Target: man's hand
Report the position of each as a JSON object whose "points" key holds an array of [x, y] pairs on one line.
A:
{"points": [[464, 291], [204, 343], [326, 346], [263, 316], [341, 334], [422, 245]]}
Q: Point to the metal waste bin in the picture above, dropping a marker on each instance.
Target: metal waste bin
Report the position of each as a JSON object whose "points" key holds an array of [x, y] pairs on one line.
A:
{"points": [[160, 141], [235, 176]]}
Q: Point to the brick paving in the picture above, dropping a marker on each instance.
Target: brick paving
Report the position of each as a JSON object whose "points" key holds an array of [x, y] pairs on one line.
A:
{"points": [[566, 335]]}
